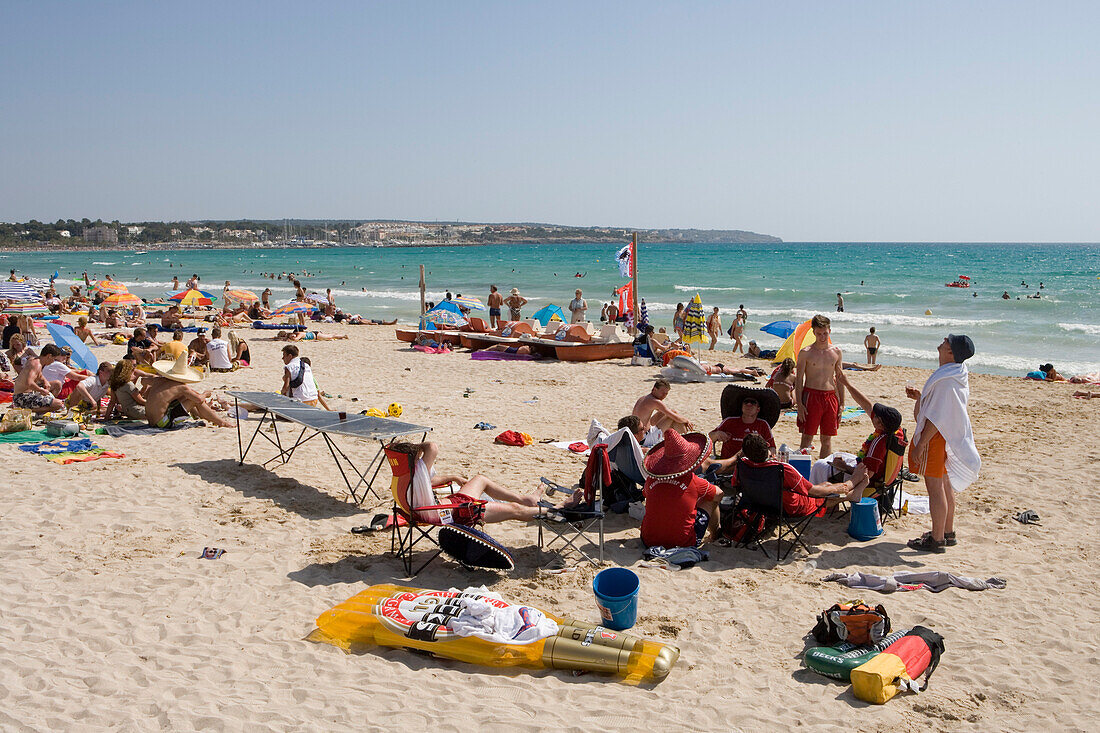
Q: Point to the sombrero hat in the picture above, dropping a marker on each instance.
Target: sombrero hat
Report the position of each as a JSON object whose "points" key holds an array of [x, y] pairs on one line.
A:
{"points": [[734, 394], [474, 549], [677, 454], [177, 370]]}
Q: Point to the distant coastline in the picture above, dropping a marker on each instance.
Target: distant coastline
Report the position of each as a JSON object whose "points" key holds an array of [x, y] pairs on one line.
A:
{"points": [[86, 235]]}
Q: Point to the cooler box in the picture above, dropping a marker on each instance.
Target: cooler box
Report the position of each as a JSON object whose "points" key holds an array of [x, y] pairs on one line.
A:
{"points": [[802, 464]]}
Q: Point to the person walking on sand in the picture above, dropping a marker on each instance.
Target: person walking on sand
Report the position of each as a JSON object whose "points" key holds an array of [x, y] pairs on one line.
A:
{"points": [[871, 343], [714, 327], [737, 332], [943, 449], [577, 307], [494, 301], [818, 389], [515, 302]]}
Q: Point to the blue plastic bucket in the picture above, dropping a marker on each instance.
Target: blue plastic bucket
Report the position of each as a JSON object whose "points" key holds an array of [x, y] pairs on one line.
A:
{"points": [[616, 592], [865, 523]]}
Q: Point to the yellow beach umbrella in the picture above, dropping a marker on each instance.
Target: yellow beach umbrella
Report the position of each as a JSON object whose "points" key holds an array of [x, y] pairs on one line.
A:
{"points": [[110, 286], [244, 296], [695, 323]]}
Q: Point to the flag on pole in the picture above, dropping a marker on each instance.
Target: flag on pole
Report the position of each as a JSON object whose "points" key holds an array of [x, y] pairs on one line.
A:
{"points": [[625, 259], [626, 299]]}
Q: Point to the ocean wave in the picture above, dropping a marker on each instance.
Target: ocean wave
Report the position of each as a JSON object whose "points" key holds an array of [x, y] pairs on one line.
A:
{"points": [[693, 288], [104, 263], [1081, 327], [878, 319]]}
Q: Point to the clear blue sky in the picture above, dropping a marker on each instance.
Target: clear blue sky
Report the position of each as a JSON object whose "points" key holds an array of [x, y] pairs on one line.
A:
{"points": [[816, 120]]}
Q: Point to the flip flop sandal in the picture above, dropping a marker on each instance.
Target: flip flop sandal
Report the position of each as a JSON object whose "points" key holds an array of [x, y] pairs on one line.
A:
{"points": [[925, 543], [1028, 516], [378, 522]]}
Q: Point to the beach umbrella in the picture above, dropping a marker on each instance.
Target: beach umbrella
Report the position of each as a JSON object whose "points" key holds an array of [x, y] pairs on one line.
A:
{"points": [[192, 297], [27, 309], [446, 305], [643, 314], [695, 323], [294, 307], [244, 296], [18, 291], [82, 355], [549, 313], [469, 303], [318, 298], [782, 329], [110, 286], [438, 317], [121, 300]]}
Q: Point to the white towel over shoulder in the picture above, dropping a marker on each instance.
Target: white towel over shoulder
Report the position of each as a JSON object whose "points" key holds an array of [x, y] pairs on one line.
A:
{"points": [[943, 402]]}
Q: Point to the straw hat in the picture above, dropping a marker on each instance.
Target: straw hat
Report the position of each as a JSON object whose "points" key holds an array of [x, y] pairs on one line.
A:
{"points": [[515, 291], [677, 454], [177, 370]]}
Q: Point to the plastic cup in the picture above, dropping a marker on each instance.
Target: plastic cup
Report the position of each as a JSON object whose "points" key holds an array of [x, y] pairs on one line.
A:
{"points": [[616, 591]]}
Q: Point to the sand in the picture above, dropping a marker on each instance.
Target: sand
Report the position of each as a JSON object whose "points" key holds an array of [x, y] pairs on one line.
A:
{"points": [[110, 620]]}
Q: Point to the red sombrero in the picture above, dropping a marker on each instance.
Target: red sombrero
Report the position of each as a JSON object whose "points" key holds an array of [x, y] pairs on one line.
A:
{"points": [[677, 454]]}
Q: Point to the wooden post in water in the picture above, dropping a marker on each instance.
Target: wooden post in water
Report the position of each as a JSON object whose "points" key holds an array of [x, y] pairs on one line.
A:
{"points": [[634, 279], [423, 302]]}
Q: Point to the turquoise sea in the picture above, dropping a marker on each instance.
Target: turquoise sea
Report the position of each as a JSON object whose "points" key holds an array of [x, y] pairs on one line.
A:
{"points": [[889, 286]]}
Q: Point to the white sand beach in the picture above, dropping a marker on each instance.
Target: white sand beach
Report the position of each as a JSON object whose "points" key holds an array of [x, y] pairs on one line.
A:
{"points": [[111, 620]]}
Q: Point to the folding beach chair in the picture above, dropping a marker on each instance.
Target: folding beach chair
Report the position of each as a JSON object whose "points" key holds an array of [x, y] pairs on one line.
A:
{"points": [[888, 490], [762, 494], [412, 524], [562, 530]]}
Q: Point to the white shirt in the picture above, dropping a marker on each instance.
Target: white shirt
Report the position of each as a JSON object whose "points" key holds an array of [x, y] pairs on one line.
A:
{"points": [[218, 352], [95, 388], [55, 371], [307, 390], [577, 306]]}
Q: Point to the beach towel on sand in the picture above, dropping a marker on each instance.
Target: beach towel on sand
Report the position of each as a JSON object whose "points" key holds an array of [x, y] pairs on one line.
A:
{"points": [[933, 580], [513, 437], [943, 402]]}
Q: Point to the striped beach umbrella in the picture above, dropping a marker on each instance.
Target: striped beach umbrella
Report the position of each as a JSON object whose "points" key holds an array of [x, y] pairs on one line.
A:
{"points": [[121, 300], [695, 323], [27, 309], [643, 314], [244, 296], [465, 301], [110, 286], [292, 308], [444, 318], [317, 298], [18, 291], [192, 297]]}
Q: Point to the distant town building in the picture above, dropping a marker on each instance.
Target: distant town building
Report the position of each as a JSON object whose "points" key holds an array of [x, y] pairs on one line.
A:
{"points": [[101, 235], [134, 230], [66, 233]]}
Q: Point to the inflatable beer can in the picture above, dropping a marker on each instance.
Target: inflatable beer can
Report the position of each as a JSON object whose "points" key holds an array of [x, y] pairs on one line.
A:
{"points": [[476, 627]]}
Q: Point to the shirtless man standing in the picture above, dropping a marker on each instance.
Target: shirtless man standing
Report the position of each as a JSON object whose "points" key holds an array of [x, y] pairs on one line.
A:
{"points": [[652, 410], [494, 301], [871, 343], [819, 392], [714, 327]]}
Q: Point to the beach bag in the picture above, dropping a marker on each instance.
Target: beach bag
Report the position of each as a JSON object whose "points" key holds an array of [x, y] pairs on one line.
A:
{"points": [[898, 666], [16, 420], [512, 437], [855, 623], [744, 526]]}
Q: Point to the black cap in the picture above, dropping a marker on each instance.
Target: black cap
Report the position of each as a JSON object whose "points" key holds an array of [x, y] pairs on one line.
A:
{"points": [[889, 416], [962, 347]]}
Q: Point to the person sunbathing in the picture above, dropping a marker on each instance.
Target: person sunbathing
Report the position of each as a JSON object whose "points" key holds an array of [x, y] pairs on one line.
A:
{"points": [[1051, 373], [309, 336], [508, 505], [83, 332], [520, 349], [169, 398], [857, 367], [170, 320], [652, 410], [31, 390], [782, 381], [111, 320]]}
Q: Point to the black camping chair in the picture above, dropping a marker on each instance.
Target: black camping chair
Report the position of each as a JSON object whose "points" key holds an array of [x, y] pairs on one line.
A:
{"points": [[762, 494], [562, 530]]}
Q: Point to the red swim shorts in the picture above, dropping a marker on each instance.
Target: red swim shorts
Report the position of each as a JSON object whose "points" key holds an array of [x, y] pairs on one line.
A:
{"points": [[821, 412], [467, 510]]}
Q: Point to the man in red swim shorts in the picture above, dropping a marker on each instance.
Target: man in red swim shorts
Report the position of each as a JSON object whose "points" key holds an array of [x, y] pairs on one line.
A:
{"points": [[819, 391]]}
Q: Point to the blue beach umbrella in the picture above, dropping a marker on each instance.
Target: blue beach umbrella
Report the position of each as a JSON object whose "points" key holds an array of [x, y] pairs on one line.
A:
{"points": [[782, 329], [82, 355], [549, 313]]}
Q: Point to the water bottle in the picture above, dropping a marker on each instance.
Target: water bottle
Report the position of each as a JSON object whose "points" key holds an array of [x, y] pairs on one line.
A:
{"points": [[784, 453]]}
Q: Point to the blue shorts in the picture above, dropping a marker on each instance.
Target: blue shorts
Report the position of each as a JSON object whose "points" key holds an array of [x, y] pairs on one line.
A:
{"points": [[702, 521], [494, 312]]}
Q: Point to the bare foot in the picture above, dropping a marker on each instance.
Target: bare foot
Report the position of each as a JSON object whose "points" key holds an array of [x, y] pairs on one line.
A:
{"points": [[534, 497]]}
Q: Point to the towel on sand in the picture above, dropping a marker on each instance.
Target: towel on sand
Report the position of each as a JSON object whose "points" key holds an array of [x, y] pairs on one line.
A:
{"points": [[932, 580]]}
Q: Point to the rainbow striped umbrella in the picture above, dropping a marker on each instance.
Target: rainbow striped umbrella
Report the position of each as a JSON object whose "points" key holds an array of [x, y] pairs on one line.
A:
{"points": [[695, 323], [121, 300], [470, 303], [110, 286], [244, 296], [193, 297], [27, 309], [293, 308]]}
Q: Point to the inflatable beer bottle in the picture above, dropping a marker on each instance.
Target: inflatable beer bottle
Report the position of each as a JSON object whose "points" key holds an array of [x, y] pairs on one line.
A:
{"points": [[415, 618]]}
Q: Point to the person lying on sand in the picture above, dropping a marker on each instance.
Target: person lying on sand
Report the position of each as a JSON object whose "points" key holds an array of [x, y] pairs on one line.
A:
{"points": [[1084, 395], [508, 505], [309, 336], [520, 349], [853, 366]]}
